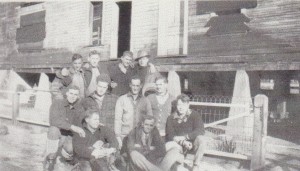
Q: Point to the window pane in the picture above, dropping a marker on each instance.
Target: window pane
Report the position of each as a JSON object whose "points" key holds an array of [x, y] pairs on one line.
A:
{"points": [[96, 25], [97, 10]]}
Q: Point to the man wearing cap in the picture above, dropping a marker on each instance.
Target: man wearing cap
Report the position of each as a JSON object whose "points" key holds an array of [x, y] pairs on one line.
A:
{"points": [[121, 74], [102, 101], [146, 70]]}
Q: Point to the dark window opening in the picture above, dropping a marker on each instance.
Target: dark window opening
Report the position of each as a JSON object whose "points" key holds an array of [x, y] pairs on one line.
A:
{"points": [[32, 32], [124, 27]]}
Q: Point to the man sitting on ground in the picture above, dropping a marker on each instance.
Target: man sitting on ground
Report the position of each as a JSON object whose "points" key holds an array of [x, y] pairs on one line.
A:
{"points": [[65, 117], [146, 148], [184, 130], [99, 145]]}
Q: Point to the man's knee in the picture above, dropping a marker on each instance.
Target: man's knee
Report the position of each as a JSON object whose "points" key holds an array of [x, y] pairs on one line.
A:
{"points": [[68, 146], [53, 133], [200, 140], [83, 166], [173, 145]]}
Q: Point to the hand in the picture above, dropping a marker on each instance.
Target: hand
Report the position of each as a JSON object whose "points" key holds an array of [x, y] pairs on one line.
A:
{"points": [[65, 72], [152, 68], [120, 142], [99, 153], [78, 130], [113, 84], [136, 159], [179, 138], [98, 144]]}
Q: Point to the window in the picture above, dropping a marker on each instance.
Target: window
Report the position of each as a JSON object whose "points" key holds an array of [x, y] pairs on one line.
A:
{"points": [[97, 22], [32, 27]]}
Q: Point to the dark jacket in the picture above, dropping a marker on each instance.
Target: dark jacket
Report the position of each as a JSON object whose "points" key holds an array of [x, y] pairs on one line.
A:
{"points": [[107, 111], [135, 143], [83, 146], [121, 79], [192, 126], [62, 116]]}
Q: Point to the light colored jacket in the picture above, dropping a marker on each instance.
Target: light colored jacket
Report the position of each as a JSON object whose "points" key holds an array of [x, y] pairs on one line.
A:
{"points": [[128, 113]]}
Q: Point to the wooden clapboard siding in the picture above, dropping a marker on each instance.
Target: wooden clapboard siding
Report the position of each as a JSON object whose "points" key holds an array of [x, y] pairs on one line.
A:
{"points": [[274, 35]]}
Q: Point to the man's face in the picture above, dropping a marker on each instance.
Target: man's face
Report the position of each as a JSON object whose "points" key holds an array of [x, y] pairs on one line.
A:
{"points": [[126, 60], [77, 64], [72, 95], [101, 88], [148, 125], [182, 107], [143, 61], [135, 86], [161, 86], [93, 121], [94, 60]]}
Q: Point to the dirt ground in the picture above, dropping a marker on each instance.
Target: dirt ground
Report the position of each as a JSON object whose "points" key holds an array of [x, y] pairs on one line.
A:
{"points": [[22, 149]]}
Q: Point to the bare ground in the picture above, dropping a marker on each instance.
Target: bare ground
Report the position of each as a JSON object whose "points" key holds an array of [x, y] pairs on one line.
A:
{"points": [[23, 148]]}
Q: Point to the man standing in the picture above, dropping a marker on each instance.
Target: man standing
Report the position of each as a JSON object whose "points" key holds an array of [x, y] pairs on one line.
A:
{"points": [[93, 67], [102, 101], [184, 131], [121, 74], [99, 145], [127, 112], [65, 118], [74, 76], [146, 70], [161, 103]]}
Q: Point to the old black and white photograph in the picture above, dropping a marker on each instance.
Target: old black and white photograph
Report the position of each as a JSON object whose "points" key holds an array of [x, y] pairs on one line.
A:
{"points": [[150, 85]]}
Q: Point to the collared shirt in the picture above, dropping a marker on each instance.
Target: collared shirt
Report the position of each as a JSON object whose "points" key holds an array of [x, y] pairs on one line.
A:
{"points": [[126, 115], [99, 100], [182, 118]]}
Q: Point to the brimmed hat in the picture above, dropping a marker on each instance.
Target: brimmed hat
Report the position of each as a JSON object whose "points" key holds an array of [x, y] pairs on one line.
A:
{"points": [[141, 54]]}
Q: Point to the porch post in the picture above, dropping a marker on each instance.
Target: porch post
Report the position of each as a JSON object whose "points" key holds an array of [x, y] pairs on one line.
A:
{"points": [[259, 132]]}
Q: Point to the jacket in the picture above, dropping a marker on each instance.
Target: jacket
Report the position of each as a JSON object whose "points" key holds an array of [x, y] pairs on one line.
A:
{"points": [[83, 146], [107, 111], [153, 151], [62, 115]]}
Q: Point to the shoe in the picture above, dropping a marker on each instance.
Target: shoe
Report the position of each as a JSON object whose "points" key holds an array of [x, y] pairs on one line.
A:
{"points": [[49, 163]]}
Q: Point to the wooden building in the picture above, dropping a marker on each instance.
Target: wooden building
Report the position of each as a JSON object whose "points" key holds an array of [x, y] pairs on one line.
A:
{"points": [[205, 41]]}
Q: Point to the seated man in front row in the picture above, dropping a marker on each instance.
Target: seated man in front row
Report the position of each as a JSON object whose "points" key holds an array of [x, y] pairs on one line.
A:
{"points": [[146, 149], [184, 130], [96, 151]]}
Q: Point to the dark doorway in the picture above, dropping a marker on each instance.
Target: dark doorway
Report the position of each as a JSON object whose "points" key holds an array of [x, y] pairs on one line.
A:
{"points": [[124, 27]]}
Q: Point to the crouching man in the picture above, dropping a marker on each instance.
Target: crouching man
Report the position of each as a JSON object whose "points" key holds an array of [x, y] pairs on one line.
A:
{"points": [[65, 117], [146, 148], [96, 151], [184, 130]]}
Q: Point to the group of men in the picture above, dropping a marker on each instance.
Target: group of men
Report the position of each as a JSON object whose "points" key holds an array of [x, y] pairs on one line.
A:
{"points": [[109, 119]]}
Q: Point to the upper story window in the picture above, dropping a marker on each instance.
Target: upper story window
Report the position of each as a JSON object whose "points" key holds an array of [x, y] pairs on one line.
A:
{"points": [[96, 22], [32, 27]]}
